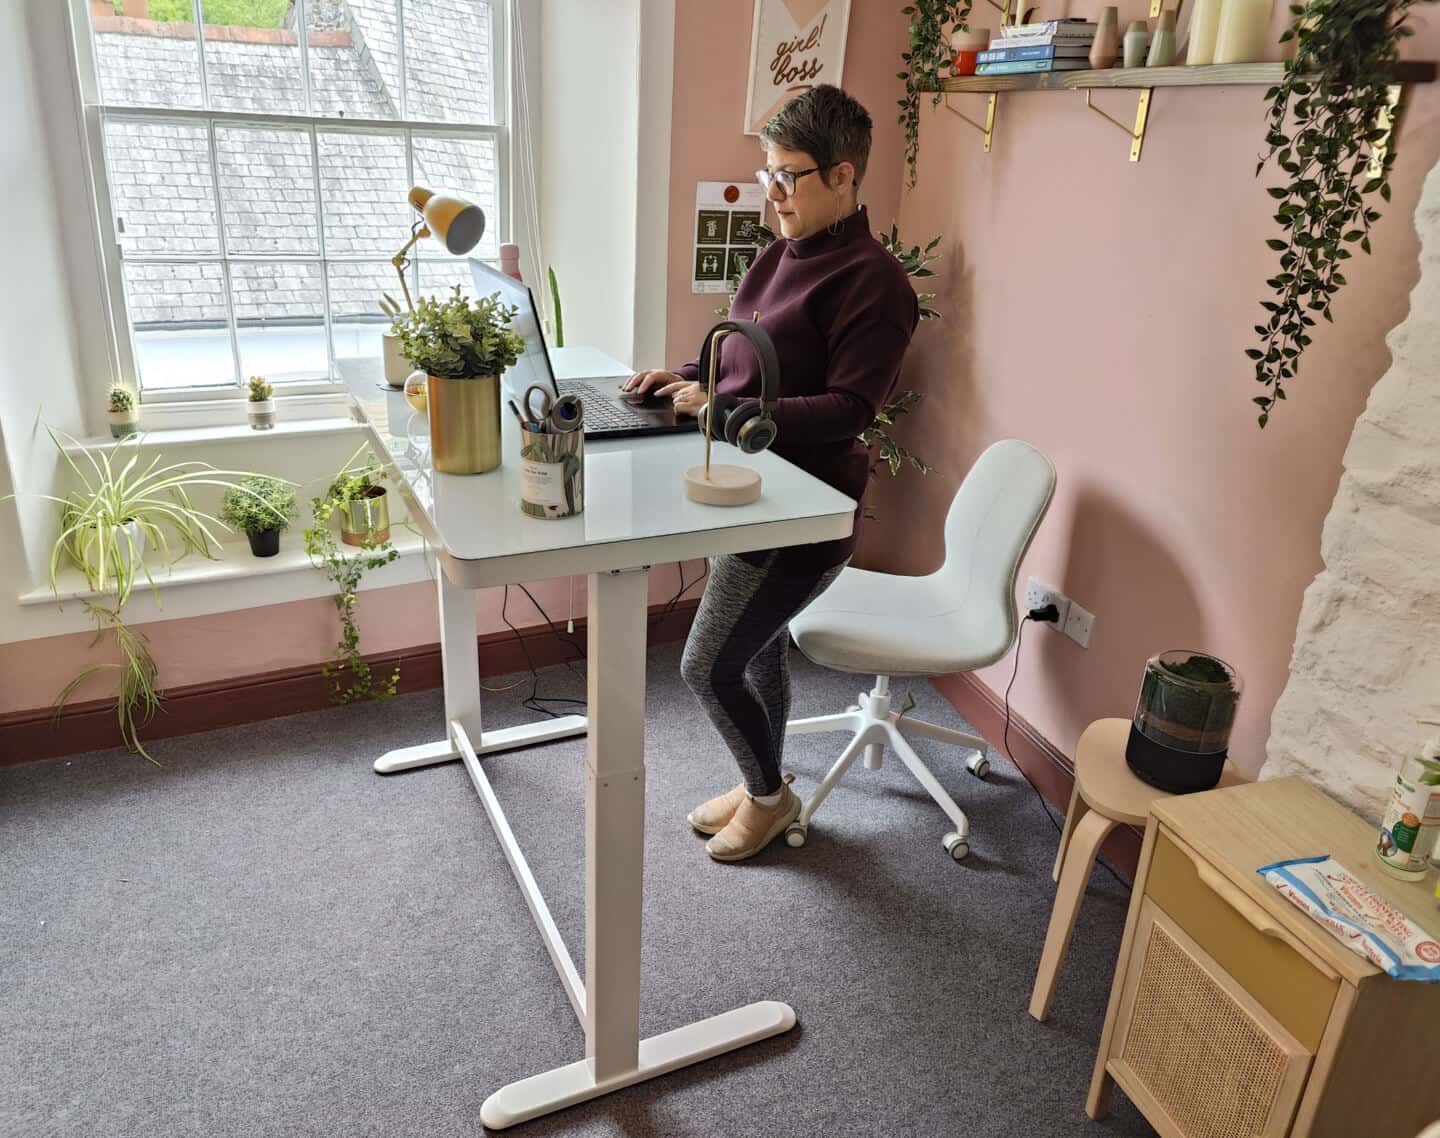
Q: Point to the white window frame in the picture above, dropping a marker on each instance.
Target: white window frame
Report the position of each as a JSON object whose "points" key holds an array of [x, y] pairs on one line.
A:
{"points": [[94, 113]]}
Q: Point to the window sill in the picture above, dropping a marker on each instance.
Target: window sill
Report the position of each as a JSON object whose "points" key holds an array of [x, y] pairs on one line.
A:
{"points": [[229, 432]]}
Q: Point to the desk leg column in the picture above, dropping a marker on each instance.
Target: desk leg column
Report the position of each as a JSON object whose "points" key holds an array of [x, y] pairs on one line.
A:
{"points": [[614, 819]]}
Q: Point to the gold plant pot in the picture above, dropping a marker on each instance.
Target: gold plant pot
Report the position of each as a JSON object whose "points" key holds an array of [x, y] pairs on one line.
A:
{"points": [[464, 424], [366, 521]]}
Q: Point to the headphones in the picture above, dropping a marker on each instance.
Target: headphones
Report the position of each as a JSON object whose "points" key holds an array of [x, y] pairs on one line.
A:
{"points": [[748, 423]]}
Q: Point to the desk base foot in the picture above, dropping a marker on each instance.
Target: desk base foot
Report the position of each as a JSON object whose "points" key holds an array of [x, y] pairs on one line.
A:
{"points": [[659, 1055], [505, 739]]}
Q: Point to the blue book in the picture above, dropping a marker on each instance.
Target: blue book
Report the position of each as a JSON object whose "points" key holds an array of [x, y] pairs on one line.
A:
{"points": [[1031, 66], [1041, 51]]}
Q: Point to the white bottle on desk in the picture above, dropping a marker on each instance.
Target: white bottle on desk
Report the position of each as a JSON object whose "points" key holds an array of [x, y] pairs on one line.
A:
{"points": [[1243, 31], [1412, 814]]}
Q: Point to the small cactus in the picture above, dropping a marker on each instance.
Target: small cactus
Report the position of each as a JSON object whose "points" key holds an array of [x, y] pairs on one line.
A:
{"points": [[121, 398], [259, 389]]}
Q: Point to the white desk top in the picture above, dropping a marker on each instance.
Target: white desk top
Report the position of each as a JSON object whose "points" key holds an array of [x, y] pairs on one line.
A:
{"points": [[636, 512]]}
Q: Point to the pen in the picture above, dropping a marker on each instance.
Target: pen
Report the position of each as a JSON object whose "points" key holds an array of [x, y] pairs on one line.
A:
{"points": [[519, 418]]}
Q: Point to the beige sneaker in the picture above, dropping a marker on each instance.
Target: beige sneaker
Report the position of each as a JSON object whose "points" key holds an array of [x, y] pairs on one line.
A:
{"points": [[754, 827], [713, 816]]}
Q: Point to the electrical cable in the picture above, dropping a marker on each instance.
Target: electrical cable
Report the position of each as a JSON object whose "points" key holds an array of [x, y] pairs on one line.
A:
{"points": [[1005, 736]]}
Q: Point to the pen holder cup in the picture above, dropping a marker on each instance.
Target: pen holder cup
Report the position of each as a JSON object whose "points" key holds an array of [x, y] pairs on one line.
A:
{"points": [[552, 473]]}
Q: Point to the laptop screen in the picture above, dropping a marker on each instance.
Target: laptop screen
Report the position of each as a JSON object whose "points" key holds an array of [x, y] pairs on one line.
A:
{"points": [[533, 367]]}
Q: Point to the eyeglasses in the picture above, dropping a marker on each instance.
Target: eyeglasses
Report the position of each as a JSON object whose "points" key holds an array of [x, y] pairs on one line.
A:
{"points": [[785, 179]]}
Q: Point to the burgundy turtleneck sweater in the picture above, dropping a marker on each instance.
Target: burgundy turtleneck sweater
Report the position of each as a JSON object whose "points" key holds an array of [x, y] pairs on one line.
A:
{"points": [[841, 312]]}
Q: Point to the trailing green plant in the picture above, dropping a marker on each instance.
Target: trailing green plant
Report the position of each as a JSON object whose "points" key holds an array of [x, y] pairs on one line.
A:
{"points": [[559, 313], [121, 398], [350, 675], [1337, 155], [260, 390], [259, 503], [916, 263], [932, 23], [459, 338], [890, 454], [119, 510]]}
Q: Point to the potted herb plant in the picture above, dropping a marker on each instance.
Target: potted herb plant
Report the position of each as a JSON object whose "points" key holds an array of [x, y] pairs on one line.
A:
{"points": [[120, 509], [1180, 735], [349, 673], [392, 355], [262, 507], [260, 404], [124, 414], [463, 346]]}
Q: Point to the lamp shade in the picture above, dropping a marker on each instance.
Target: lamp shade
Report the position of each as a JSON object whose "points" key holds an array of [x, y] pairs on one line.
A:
{"points": [[457, 224]]}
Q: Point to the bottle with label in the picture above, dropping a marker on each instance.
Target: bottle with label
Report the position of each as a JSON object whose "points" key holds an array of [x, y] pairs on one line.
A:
{"points": [[1412, 816]]}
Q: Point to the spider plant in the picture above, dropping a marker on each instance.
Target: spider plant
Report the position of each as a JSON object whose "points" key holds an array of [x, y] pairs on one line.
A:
{"points": [[120, 509]]}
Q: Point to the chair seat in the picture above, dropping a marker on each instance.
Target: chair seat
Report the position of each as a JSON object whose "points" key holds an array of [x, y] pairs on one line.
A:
{"points": [[881, 624]]}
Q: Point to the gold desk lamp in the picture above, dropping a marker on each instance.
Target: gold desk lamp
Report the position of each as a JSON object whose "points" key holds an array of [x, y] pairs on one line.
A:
{"points": [[457, 224], [750, 427]]}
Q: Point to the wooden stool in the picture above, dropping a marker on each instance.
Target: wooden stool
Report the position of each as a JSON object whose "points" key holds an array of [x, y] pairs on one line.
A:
{"points": [[1106, 794]]}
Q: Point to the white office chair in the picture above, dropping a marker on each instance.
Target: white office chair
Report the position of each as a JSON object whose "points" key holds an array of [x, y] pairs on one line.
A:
{"points": [[957, 619]]}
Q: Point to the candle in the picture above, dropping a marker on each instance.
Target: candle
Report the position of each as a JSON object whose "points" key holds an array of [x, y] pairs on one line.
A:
{"points": [[1243, 31], [1204, 23]]}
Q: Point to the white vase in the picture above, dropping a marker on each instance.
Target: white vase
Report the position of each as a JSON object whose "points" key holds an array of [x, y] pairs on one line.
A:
{"points": [[127, 554], [262, 413], [1204, 23], [397, 367], [1162, 44], [1243, 31], [1137, 39], [124, 423]]}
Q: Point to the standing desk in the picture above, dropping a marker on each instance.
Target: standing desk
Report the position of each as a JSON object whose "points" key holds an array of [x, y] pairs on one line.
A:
{"points": [[636, 514]]}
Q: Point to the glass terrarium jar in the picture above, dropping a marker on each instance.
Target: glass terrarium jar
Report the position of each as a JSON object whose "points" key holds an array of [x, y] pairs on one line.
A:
{"points": [[1180, 735]]}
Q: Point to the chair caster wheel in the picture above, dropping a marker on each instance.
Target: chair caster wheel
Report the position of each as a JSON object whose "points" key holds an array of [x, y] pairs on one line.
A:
{"points": [[795, 835], [956, 846], [978, 765]]}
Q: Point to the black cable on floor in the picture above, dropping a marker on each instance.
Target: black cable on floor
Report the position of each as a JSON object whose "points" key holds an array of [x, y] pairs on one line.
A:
{"points": [[1005, 739]]}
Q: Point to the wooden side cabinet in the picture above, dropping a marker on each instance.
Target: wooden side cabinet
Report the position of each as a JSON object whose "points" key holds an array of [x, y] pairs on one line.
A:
{"points": [[1233, 1014]]}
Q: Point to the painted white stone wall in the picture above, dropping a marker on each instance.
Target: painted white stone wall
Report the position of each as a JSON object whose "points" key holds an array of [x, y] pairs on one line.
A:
{"points": [[1366, 663]]}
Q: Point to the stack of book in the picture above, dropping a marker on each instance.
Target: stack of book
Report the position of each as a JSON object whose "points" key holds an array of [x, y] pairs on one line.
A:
{"points": [[1052, 45]]}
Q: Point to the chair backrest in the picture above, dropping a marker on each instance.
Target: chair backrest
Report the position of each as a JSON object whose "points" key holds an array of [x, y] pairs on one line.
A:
{"points": [[991, 522]]}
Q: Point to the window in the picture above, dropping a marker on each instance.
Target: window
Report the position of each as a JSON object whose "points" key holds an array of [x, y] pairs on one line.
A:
{"points": [[251, 180]]}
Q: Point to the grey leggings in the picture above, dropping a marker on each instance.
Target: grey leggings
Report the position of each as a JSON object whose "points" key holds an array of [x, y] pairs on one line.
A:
{"points": [[736, 658]]}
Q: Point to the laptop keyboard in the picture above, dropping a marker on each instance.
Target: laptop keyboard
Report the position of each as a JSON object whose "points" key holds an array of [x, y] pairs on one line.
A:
{"points": [[603, 412]]}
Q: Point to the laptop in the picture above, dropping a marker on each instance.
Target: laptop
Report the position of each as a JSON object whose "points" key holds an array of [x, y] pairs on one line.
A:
{"points": [[608, 414]]}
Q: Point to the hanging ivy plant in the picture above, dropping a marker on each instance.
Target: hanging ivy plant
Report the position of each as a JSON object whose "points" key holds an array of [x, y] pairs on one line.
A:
{"points": [[1336, 88], [932, 23]]}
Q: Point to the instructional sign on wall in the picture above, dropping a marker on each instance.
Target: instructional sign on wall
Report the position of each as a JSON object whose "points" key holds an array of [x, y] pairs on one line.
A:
{"points": [[727, 215]]}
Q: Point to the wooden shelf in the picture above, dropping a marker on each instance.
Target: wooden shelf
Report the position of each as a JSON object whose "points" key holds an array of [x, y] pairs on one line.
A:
{"points": [[1140, 78]]}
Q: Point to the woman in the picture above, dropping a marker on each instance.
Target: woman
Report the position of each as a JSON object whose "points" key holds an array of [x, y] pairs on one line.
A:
{"points": [[840, 311]]}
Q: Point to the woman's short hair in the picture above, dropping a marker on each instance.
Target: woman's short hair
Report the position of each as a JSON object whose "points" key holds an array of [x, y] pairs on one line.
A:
{"points": [[826, 124]]}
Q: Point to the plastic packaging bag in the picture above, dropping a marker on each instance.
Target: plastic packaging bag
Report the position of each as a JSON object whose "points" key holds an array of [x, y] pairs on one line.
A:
{"points": [[1357, 917]]}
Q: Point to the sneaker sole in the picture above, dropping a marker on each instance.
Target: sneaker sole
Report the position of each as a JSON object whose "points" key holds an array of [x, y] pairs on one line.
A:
{"points": [[779, 828]]}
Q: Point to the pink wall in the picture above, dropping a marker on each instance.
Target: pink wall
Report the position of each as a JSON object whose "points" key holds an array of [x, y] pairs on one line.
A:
{"points": [[251, 641], [1100, 310], [712, 54]]}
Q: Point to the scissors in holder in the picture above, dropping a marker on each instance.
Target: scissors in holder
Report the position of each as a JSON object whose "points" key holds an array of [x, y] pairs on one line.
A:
{"points": [[560, 415]]}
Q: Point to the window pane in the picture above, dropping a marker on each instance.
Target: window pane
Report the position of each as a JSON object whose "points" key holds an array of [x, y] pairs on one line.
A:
{"points": [[267, 190], [466, 167], [279, 317], [177, 314], [160, 187], [354, 58], [363, 186], [438, 277], [153, 62], [447, 61], [252, 57], [355, 318]]}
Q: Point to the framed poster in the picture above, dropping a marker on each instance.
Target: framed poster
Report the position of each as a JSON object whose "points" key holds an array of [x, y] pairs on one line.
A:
{"points": [[726, 217], [795, 45]]}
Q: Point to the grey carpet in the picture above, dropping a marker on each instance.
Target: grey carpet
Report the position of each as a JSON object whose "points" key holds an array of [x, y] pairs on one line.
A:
{"points": [[266, 938]]}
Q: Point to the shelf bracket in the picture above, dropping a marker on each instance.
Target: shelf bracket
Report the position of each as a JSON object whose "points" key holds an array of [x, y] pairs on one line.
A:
{"points": [[987, 128], [1003, 9], [1136, 133]]}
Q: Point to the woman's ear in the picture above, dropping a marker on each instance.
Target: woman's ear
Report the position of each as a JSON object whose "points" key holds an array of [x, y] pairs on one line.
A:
{"points": [[842, 176]]}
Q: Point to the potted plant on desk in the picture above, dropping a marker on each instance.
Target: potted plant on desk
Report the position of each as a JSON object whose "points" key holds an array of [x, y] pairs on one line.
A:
{"points": [[463, 347], [262, 507]]}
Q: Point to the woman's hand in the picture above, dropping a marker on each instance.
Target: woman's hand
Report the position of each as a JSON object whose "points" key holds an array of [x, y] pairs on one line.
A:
{"points": [[686, 395]]}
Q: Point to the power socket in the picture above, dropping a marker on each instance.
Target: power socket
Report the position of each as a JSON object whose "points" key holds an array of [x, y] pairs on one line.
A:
{"points": [[1079, 623], [1038, 595]]}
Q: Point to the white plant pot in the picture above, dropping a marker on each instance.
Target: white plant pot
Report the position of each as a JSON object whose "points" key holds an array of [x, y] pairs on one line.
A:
{"points": [[124, 423], [87, 547], [262, 413], [397, 367]]}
